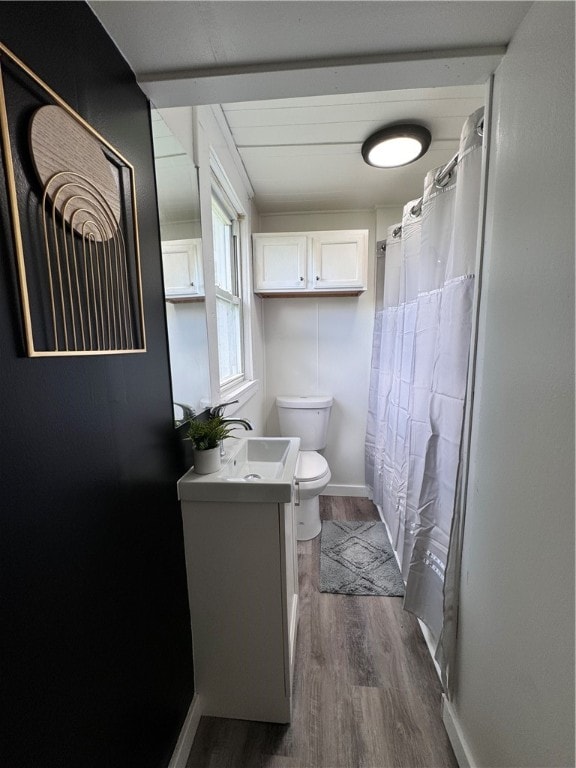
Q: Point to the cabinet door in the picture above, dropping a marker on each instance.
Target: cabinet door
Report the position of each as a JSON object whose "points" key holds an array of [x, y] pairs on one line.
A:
{"points": [[280, 262], [339, 260], [290, 569], [182, 265]]}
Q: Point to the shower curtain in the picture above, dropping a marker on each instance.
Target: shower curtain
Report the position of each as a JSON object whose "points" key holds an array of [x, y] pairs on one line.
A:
{"points": [[418, 385]]}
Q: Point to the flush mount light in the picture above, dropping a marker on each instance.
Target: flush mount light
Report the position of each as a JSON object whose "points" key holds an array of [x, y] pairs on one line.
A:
{"points": [[396, 145]]}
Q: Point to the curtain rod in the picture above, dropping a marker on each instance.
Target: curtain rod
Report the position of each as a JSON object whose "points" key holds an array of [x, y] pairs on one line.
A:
{"points": [[441, 179], [443, 176]]}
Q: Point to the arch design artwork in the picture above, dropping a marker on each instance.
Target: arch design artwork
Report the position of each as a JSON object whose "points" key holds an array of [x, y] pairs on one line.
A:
{"points": [[78, 258]]}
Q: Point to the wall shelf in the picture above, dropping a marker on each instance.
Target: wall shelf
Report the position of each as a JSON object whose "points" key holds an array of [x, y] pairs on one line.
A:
{"points": [[307, 294], [183, 299]]}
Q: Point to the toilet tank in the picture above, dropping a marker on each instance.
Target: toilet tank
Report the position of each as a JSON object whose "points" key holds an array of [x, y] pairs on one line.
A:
{"points": [[306, 418]]}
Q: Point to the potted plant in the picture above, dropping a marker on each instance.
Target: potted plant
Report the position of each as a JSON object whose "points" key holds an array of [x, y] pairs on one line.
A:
{"points": [[206, 437]]}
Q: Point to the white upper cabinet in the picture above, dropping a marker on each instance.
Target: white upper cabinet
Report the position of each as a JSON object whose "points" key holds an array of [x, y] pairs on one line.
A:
{"points": [[303, 263], [182, 265], [339, 260], [280, 262]]}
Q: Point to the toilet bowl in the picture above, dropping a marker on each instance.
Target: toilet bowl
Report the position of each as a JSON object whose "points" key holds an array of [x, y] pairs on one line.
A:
{"points": [[307, 418], [311, 477]]}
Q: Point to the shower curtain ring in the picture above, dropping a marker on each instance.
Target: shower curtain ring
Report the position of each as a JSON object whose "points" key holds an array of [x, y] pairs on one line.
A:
{"points": [[442, 179]]}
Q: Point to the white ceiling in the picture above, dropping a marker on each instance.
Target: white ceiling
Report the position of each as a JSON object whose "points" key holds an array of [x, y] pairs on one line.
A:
{"points": [[165, 36], [303, 153]]}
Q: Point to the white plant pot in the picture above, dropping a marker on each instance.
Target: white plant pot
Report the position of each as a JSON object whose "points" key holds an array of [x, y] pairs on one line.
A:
{"points": [[206, 462]]}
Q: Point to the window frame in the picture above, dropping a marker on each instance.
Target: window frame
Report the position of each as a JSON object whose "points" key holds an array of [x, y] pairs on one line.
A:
{"points": [[232, 296], [244, 385]]}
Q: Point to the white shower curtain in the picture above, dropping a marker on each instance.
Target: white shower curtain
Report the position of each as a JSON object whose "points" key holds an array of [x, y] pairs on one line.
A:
{"points": [[418, 383]]}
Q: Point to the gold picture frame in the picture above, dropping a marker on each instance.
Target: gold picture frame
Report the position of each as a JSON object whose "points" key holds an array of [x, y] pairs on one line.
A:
{"points": [[78, 261]]}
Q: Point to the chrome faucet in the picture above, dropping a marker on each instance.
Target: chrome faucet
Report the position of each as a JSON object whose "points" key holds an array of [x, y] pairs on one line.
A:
{"points": [[188, 414], [243, 422], [218, 411]]}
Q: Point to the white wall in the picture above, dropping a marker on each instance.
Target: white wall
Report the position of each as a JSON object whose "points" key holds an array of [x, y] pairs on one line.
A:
{"points": [[324, 345], [181, 230], [188, 353], [515, 697]]}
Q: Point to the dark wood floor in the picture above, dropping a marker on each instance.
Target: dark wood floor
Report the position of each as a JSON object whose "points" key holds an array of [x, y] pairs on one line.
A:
{"points": [[366, 694]]}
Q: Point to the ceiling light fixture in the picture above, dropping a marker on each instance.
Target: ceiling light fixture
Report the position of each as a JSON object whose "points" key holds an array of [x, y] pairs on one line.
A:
{"points": [[396, 145]]}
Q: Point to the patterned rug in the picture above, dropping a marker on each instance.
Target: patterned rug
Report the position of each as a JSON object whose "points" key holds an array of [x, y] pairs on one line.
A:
{"points": [[356, 559]]}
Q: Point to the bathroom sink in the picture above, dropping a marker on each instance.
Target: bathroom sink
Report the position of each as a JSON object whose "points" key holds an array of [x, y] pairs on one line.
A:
{"points": [[258, 459], [254, 469]]}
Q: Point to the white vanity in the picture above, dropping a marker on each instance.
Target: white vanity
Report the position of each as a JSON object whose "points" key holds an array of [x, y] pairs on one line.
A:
{"points": [[240, 543]]}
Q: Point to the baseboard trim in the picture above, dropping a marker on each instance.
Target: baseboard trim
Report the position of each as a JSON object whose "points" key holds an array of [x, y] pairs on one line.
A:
{"points": [[454, 731], [185, 740], [346, 490]]}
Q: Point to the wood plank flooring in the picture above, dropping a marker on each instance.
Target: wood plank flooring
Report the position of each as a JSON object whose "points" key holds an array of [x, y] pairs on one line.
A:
{"points": [[366, 694]]}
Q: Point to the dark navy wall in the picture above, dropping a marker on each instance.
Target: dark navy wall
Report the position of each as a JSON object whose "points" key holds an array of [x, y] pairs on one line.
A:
{"points": [[96, 649]]}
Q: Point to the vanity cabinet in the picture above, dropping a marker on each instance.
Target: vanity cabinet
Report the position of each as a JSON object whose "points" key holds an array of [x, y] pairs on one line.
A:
{"points": [[182, 266], [331, 263], [242, 571]]}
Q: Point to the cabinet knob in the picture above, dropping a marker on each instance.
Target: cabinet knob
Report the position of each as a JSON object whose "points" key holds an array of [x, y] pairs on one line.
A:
{"points": [[301, 279], [317, 277]]}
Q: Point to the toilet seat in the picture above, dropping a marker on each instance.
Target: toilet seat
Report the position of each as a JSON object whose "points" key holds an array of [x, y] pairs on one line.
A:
{"points": [[310, 466]]}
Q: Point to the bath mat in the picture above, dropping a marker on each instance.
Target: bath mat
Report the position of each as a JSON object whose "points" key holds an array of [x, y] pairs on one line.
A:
{"points": [[356, 558]]}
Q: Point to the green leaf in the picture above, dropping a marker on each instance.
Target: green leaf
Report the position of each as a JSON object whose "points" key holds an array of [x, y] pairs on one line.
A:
{"points": [[209, 433]]}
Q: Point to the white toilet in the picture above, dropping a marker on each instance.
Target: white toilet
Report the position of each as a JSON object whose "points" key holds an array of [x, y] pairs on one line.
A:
{"points": [[307, 418]]}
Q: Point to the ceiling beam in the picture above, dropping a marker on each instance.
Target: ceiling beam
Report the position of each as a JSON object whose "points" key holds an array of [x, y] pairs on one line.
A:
{"points": [[418, 69]]}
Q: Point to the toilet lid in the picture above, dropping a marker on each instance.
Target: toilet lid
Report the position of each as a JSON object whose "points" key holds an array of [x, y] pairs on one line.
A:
{"points": [[310, 466]]}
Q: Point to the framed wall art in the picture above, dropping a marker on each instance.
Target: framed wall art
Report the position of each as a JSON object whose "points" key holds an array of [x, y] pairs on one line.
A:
{"points": [[72, 206]]}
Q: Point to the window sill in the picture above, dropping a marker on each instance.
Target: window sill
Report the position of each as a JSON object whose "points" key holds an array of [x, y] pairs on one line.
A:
{"points": [[242, 392]]}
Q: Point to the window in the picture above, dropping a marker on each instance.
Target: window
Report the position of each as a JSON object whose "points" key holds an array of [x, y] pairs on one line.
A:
{"points": [[227, 266], [228, 289]]}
